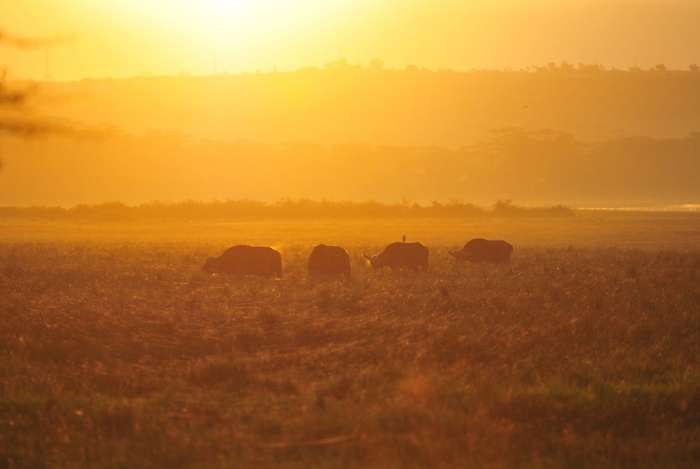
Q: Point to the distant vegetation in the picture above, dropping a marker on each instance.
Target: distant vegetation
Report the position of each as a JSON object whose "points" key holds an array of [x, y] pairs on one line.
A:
{"points": [[532, 167], [284, 209]]}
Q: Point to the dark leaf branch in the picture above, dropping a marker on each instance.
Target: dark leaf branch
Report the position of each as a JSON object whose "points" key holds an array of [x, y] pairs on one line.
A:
{"points": [[33, 43], [32, 127]]}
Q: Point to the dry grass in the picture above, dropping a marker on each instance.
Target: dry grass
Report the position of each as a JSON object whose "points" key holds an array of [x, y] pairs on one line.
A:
{"points": [[116, 351]]}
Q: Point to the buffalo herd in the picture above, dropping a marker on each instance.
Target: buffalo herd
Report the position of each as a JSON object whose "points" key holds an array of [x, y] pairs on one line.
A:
{"points": [[334, 260]]}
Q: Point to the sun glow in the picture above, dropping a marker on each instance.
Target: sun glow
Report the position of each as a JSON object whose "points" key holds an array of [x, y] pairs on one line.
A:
{"points": [[237, 34], [221, 21]]}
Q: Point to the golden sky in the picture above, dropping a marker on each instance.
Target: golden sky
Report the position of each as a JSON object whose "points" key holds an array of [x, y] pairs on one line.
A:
{"points": [[157, 154], [124, 38]]}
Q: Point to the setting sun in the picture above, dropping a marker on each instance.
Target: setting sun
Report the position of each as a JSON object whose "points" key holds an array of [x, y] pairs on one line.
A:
{"points": [[204, 17], [242, 32]]}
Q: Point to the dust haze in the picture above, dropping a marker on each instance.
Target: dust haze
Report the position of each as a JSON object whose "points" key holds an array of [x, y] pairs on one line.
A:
{"points": [[559, 133]]}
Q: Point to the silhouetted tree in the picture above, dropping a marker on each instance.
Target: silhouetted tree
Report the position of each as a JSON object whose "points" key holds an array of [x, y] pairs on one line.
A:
{"points": [[376, 64]]}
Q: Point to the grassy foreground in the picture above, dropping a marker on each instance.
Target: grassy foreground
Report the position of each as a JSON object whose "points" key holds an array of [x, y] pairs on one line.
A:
{"points": [[116, 351]]}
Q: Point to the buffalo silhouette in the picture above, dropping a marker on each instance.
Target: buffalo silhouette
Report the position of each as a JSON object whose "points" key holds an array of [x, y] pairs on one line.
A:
{"points": [[401, 255], [329, 260], [246, 260], [484, 250]]}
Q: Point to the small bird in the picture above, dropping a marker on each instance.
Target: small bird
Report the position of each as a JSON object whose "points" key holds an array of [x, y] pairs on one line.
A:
{"points": [[404, 238]]}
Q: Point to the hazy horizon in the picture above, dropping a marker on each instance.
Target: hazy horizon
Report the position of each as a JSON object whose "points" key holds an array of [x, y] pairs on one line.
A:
{"points": [[203, 37]]}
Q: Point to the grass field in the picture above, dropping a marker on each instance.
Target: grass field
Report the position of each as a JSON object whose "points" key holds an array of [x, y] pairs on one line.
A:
{"points": [[117, 351]]}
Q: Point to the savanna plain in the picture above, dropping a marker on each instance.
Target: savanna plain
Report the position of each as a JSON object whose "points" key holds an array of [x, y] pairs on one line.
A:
{"points": [[116, 350]]}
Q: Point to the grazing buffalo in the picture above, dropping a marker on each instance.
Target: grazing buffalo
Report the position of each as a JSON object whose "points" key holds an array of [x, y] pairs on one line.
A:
{"points": [[484, 250], [246, 260], [329, 260], [401, 255]]}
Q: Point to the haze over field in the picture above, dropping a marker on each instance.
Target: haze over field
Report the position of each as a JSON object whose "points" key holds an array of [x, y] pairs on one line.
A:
{"points": [[577, 102]]}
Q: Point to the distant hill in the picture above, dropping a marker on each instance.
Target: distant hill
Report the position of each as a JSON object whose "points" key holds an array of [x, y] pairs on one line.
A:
{"points": [[559, 134], [413, 107]]}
